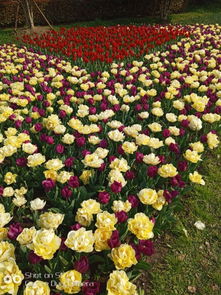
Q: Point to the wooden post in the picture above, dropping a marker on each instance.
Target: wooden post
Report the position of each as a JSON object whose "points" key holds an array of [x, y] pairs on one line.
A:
{"points": [[16, 17], [28, 12], [43, 14]]}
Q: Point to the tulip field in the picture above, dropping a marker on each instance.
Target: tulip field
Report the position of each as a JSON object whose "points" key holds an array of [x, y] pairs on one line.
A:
{"points": [[93, 161], [105, 44]]}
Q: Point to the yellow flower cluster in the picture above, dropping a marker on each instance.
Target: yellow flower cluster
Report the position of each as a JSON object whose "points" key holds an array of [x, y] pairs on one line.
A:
{"points": [[123, 256], [141, 226], [118, 284]]}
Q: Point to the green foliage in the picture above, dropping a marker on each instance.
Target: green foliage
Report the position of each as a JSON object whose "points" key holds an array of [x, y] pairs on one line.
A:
{"points": [[192, 263]]}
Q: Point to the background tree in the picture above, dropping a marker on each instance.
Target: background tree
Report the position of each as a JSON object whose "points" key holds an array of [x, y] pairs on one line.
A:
{"points": [[164, 9], [27, 6]]}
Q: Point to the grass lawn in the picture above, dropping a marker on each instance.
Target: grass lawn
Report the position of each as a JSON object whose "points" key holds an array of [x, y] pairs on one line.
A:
{"points": [[7, 36], [206, 14], [192, 259]]}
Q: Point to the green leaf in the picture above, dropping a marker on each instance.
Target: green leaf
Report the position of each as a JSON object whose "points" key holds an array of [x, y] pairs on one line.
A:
{"points": [[96, 258], [63, 260], [23, 249], [47, 269], [72, 204], [142, 265], [55, 210]]}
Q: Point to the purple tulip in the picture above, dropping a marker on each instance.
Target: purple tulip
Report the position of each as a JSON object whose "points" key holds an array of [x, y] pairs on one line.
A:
{"points": [[185, 123], [104, 197], [120, 150], [130, 174], [182, 166], [121, 216], [28, 120], [18, 124], [33, 258], [21, 162], [75, 226], [38, 127], [82, 265], [49, 140], [14, 230], [62, 114], [152, 171], [63, 247], [85, 153], [162, 158], [103, 143], [174, 147], [139, 157], [166, 133], [90, 288], [114, 240], [146, 247], [74, 181], [133, 200], [137, 251], [1, 190], [80, 141], [59, 148], [102, 167], [116, 187], [66, 192], [203, 138], [48, 184], [111, 158], [69, 162], [92, 110]]}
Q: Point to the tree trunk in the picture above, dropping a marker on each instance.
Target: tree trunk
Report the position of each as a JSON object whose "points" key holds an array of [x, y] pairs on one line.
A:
{"points": [[155, 4], [164, 10], [185, 4], [28, 12]]}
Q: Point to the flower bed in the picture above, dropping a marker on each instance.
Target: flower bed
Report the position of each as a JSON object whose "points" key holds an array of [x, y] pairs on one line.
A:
{"points": [[105, 44], [93, 163]]}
